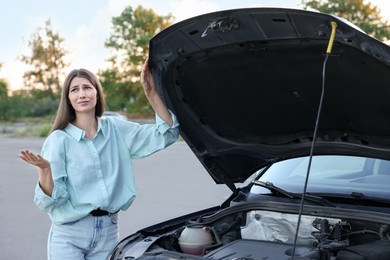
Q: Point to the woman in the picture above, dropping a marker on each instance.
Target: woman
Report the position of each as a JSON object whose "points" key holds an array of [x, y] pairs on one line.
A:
{"points": [[85, 171]]}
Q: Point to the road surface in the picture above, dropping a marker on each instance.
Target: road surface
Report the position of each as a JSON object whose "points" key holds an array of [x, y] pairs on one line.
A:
{"points": [[170, 183]]}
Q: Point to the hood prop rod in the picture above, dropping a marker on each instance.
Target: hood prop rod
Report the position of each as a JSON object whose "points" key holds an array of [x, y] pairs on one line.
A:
{"points": [[328, 51]]}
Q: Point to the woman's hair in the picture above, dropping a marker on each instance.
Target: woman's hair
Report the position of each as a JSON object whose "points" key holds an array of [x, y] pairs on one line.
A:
{"points": [[66, 113]]}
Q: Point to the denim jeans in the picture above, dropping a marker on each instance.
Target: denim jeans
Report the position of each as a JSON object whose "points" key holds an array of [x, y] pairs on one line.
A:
{"points": [[89, 238]]}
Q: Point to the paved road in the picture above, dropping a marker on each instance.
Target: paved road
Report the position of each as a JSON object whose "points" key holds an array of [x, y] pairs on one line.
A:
{"points": [[170, 183]]}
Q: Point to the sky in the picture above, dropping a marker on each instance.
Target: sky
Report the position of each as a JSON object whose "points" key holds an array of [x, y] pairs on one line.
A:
{"points": [[85, 25]]}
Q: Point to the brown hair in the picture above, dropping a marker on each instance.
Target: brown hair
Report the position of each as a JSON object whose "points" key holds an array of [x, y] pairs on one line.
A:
{"points": [[66, 113]]}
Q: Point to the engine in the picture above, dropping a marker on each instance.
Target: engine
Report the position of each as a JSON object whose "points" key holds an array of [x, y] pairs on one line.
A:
{"points": [[261, 234]]}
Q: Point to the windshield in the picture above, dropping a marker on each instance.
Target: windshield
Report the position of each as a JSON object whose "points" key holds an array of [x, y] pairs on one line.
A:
{"points": [[332, 174]]}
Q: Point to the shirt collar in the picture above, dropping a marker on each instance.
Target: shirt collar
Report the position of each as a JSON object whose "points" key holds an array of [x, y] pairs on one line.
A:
{"points": [[100, 128], [78, 133]]}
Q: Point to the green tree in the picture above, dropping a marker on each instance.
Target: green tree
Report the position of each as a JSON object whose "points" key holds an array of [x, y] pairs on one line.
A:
{"points": [[359, 12], [3, 97], [3, 90], [129, 42], [46, 62], [4, 102], [116, 98]]}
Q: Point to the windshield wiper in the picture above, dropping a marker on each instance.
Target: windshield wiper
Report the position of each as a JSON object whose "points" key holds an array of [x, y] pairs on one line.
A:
{"points": [[312, 198], [356, 196]]}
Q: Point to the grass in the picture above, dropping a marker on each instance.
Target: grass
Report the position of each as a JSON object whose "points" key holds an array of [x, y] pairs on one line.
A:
{"points": [[38, 127], [33, 130]]}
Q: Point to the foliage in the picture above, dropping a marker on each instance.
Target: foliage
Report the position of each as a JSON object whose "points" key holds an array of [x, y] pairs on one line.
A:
{"points": [[4, 100], [129, 39], [46, 61], [128, 42], [3, 90], [114, 90], [44, 130], [22, 104], [31, 129], [359, 12]]}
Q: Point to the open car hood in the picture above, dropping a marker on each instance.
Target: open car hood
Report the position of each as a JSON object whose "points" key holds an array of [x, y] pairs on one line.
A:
{"points": [[245, 85]]}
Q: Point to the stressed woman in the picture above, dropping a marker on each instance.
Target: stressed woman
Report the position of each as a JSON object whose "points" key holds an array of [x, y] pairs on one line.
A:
{"points": [[85, 170]]}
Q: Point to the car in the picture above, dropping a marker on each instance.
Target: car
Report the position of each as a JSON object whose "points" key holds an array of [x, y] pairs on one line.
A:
{"points": [[290, 109]]}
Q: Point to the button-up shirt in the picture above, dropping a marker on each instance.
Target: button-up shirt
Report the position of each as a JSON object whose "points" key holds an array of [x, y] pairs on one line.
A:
{"points": [[97, 173]]}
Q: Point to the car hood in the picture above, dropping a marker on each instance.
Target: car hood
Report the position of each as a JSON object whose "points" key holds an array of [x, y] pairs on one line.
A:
{"points": [[245, 85]]}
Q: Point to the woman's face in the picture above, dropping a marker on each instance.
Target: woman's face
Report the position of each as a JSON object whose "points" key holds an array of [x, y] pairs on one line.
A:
{"points": [[82, 95]]}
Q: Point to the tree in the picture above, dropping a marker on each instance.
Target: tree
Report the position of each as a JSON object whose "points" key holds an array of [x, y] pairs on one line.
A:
{"points": [[4, 100], [359, 12], [3, 97], [3, 90], [115, 96], [129, 39], [46, 62]]}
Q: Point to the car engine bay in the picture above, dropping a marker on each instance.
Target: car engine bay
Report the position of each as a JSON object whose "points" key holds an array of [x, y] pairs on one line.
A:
{"points": [[264, 234]]}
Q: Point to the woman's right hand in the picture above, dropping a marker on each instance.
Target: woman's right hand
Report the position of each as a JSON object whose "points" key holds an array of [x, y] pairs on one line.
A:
{"points": [[34, 159], [45, 178]]}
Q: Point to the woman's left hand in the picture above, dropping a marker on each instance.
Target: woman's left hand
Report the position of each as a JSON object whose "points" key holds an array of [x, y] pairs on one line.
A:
{"points": [[151, 94], [147, 80]]}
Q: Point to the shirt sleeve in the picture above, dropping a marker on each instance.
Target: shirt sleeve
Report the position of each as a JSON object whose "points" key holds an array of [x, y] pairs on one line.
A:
{"points": [[53, 150], [164, 127], [144, 140]]}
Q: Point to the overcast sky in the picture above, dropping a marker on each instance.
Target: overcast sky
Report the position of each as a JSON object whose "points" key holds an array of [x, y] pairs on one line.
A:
{"points": [[85, 25]]}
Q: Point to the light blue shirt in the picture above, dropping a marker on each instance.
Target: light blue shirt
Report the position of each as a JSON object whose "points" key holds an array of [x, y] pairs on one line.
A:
{"points": [[97, 173]]}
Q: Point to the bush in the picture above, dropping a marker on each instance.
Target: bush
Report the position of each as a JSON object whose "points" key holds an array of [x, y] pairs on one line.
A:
{"points": [[22, 106], [43, 131], [43, 107]]}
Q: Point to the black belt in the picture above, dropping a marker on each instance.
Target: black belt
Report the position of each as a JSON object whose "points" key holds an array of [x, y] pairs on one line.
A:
{"points": [[100, 212]]}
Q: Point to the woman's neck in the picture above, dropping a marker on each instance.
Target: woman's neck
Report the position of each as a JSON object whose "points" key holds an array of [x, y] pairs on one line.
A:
{"points": [[88, 123]]}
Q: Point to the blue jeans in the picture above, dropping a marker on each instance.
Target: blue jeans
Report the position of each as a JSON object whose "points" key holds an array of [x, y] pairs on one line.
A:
{"points": [[88, 238]]}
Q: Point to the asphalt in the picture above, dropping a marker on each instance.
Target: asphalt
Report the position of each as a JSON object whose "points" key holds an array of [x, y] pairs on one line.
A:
{"points": [[170, 183]]}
